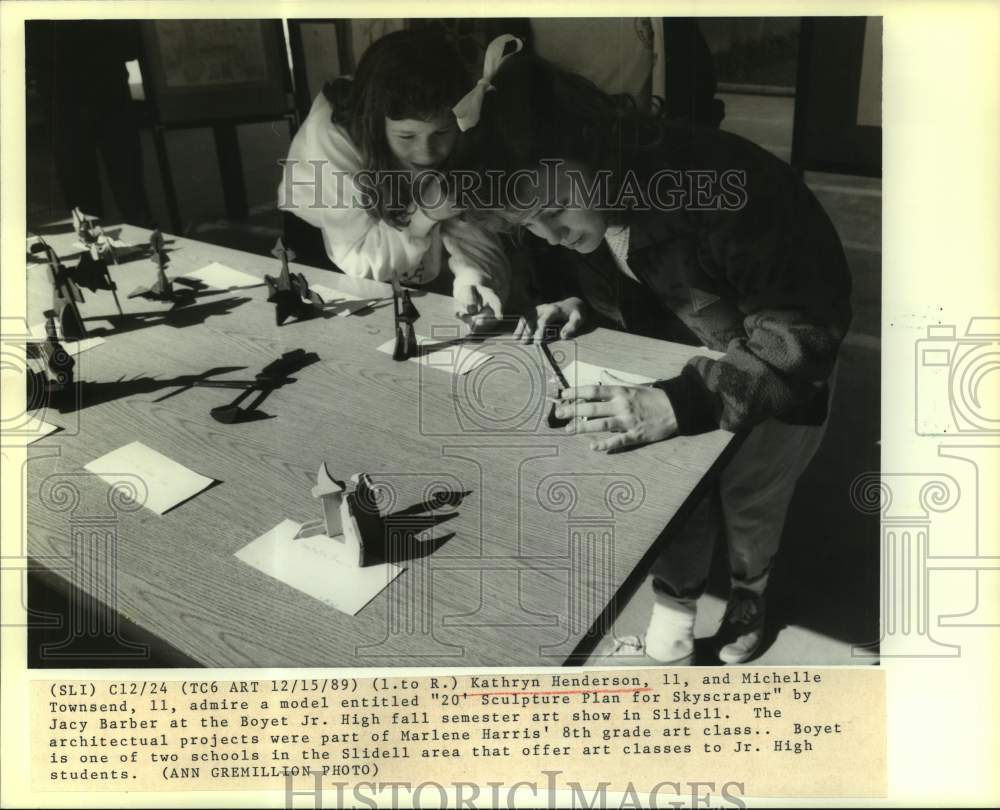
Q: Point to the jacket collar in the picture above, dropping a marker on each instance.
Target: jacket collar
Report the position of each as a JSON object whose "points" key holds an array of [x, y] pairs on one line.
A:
{"points": [[646, 229], [649, 228]]}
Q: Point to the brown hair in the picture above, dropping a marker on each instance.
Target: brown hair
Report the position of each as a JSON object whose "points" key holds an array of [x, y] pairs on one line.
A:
{"points": [[538, 111], [414, 74]]}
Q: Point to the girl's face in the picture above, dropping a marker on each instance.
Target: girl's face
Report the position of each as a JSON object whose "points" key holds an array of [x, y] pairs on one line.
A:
{"points": [[561, 218], [418, 145]]}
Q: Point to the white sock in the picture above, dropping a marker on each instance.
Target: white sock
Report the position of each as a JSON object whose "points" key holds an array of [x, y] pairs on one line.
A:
{"points": [[670, 634]]}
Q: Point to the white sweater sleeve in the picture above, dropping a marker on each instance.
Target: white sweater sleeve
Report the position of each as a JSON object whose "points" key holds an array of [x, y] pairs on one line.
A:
{"points": [[318, 185], [476, 256]]}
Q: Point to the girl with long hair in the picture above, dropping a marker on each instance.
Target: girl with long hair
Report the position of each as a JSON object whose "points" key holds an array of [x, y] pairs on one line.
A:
{"points": [[366, 144]]}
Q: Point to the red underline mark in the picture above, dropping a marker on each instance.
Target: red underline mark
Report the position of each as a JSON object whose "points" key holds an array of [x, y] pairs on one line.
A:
{"points": [[564, 692]]}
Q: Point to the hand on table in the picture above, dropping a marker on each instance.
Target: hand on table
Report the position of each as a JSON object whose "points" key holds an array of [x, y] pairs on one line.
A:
{"points": [[478, 306], [633, 414], [569, 313]]}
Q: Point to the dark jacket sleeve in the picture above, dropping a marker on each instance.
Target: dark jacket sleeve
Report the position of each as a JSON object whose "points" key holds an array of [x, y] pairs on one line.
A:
{"points": [[556, 273], [783, 270]]}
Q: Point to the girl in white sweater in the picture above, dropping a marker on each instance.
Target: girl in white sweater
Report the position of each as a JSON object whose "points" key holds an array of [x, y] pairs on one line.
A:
{"points": [[393, 121]]}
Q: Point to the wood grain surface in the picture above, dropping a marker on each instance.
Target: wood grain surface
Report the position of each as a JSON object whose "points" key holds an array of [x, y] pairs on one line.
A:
{"points": [[515, 537]]}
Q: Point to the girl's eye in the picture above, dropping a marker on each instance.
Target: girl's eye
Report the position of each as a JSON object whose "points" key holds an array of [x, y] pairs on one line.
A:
{"points": [[404, 137]]}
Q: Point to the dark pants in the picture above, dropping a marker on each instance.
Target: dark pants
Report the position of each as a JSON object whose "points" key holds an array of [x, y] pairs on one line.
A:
{"points": [[747, 507]]}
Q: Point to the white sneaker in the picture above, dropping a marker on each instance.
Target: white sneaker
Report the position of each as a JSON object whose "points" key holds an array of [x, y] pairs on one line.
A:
{"points": [[631, 651], [742, 631]]}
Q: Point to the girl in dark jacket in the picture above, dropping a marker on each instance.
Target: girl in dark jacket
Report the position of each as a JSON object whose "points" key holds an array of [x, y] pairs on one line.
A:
{"points": [[715, 237]]}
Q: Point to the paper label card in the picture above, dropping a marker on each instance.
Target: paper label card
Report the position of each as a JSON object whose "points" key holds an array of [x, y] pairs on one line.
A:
{"points": [[579, 373], [455, 359], [310, 565], [73, 347], [167, 482], [115, 243], [220, 277], [345, 303], [40, 430]]}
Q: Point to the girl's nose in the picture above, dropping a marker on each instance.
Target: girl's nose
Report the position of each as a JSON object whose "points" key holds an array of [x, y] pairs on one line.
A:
{"points": [[546, 232], [561, 233], [426, 155], [557, 236]]}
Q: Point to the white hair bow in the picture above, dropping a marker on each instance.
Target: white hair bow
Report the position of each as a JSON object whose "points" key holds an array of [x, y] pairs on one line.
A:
{"points": [[471, 104]]}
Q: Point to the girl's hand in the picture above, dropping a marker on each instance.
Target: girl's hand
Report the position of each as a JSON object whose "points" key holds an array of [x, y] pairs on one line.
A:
{"points": [[476, 304], [635, 415], [569, 313]]}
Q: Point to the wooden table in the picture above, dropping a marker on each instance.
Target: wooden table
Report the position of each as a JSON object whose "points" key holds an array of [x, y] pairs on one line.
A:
{"points": [[530, 559]]}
